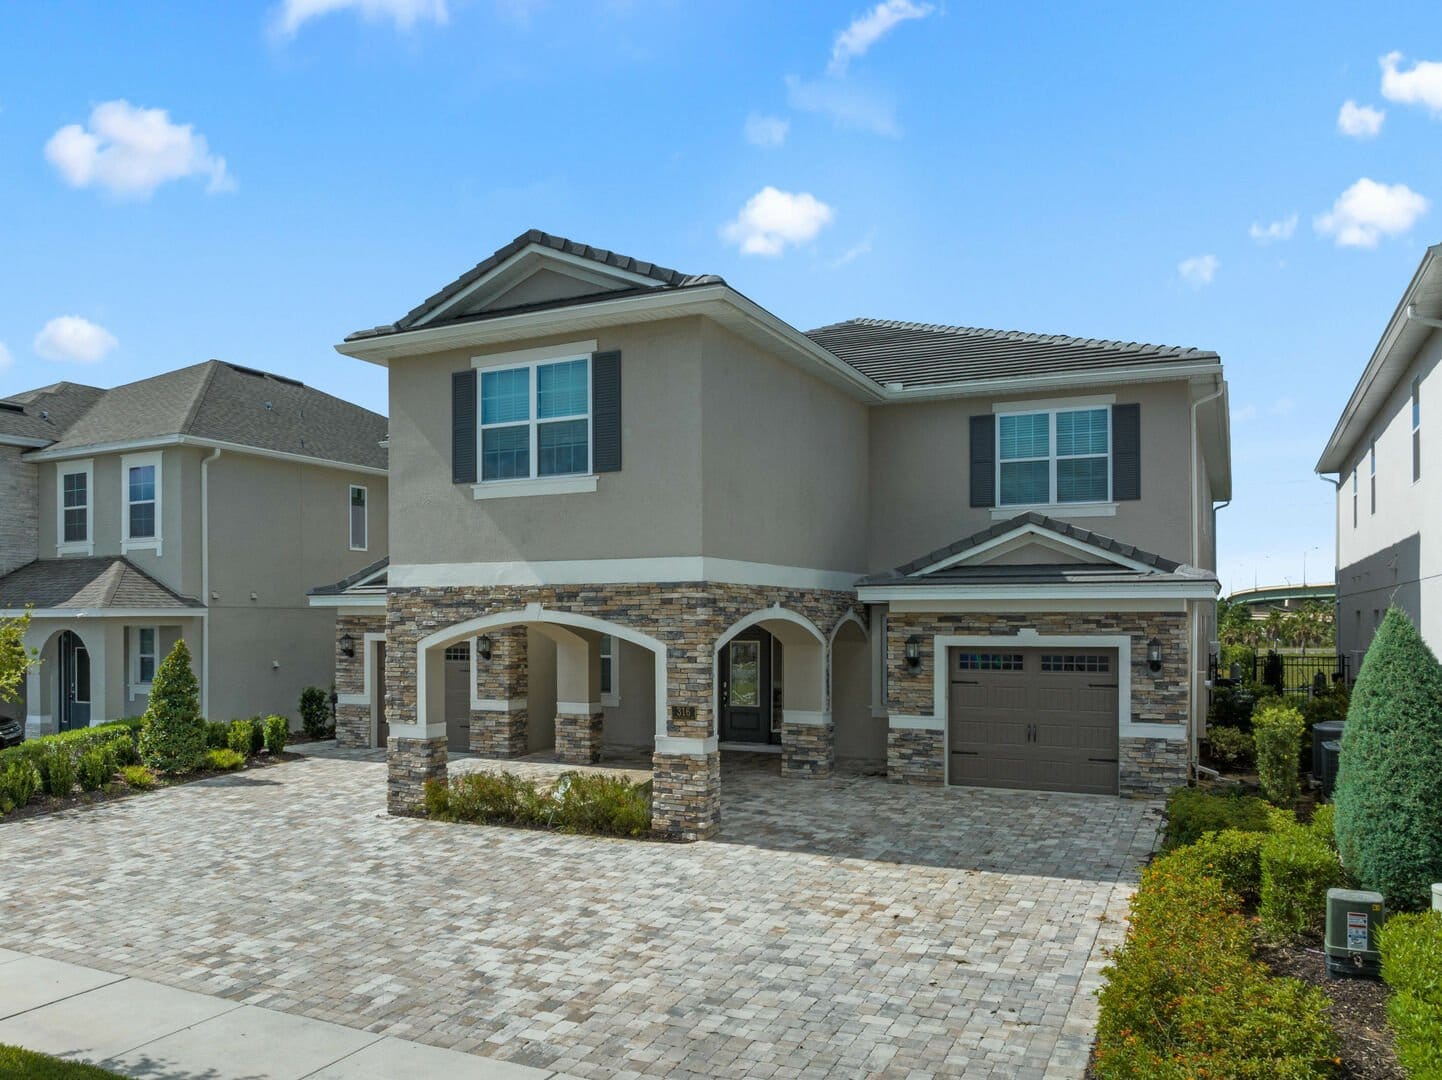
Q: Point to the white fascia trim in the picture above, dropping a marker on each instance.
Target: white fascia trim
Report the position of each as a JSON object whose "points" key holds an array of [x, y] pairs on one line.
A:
{"points": [[352, 699], [1202, 590], [505, 705], [617, 572], [903, 722], [1031, 529], [152, 614], [1091, 401], [578, 708], [20, 440], [342, 600], [672, 744], [565, 351], [1057, 510], [1175, 732], [806, 717], [163, 441], [1144, 373], [543, 485], [416, 731]]}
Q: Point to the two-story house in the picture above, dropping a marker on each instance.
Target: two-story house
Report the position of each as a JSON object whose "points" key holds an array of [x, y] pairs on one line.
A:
{"points": [[635, 509], [198, 504], [1389, 478]]}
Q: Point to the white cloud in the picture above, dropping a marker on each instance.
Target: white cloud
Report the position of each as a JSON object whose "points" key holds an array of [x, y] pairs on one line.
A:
{"points": [[1420, 86], [772, 219], [1276, 230], [1199, 270], [132, 151], [70, 337], [1359, 121], [766, 131], [1367, 211], [849, 106], [5, 358], [404, 13], [870, 28]]}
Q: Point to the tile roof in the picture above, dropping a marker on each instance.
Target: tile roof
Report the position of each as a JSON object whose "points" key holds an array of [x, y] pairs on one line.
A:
{"points": [[229, 403], [87, 583], [663, 276], [920, 354], [45, 413]]}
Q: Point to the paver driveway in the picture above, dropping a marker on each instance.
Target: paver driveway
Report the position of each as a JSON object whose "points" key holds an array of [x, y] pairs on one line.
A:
{"points": [[836, 928]]}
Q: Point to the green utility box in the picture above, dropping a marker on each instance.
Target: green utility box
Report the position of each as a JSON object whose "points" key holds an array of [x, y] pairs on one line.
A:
{"points": [[1353, 918]]}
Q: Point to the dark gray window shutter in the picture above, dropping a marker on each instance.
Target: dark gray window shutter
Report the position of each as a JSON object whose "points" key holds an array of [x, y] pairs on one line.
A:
{"points": [[1126, 452], [983, 460], [606, 412], [463, 427]]}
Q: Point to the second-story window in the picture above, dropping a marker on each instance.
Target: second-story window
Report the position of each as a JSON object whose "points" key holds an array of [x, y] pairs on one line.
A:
{"points": [[1057, 456], [359, 523], [75, 503], [1416, 429], [140, 489], [536, 420]]}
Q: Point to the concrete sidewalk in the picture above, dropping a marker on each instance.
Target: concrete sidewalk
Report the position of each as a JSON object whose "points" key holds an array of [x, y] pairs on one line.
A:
{"points": [[139, 1028]]}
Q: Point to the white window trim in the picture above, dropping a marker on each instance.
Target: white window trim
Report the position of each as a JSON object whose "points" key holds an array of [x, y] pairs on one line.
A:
{"points": [[143, 543], [365, 518], [611, 699], [136, 687], [578, 483], [76, 547], [1099, 507], [533, 424]]}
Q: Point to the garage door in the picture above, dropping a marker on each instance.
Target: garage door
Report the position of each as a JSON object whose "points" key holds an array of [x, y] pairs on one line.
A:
{"points": [[1043, 719]]}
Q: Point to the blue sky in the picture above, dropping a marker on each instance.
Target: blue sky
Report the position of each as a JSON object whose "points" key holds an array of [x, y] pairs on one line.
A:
{"points": [[322, 165]]}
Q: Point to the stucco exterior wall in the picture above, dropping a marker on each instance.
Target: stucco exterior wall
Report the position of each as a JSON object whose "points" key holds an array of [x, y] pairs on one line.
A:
{"points": [[19, 521]]}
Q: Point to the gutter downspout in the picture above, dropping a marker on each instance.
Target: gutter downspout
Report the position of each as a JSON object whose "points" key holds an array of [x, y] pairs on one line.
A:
{"points": [[205, 577], [1193, 732]]}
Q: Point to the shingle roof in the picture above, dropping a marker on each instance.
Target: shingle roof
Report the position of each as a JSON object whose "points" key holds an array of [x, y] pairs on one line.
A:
{"points": [[88, 583], [920, 354], [233, 404], [45, 413], [379, 584], [663, 276]]}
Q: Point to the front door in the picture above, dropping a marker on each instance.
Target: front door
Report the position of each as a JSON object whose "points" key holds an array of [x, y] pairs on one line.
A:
{"points": [[746, 688], [383, 728], [74, 683], [458, 697]]}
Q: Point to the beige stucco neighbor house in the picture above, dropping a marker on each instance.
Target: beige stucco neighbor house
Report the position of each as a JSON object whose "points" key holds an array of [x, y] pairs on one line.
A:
{"points": [[199, 504], [1389, 477], [634, 510]]}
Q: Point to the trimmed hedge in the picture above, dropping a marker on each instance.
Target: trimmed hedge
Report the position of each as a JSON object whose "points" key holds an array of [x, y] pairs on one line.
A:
{"points": [[239, 737], [1411, 947], [1277, 732], [1193, 812], [1298, 867], [1231, 856], [577, 802], [1231, 745], [276, 731]]}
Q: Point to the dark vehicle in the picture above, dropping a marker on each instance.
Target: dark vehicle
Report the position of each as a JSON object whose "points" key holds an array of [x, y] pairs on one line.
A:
{"points": [[12, 731]]}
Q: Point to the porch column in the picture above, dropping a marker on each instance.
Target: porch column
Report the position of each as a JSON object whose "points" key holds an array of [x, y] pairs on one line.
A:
{"points": [[686, 776], [500, 727], [416, 749], [808, 736], [578, 698], [916, 738]]}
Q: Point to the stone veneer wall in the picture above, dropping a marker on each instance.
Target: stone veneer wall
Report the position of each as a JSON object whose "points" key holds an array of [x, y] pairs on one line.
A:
{"points": [[353, 722], [20, 521], [808, 750], [504, 677], [410, 763], [578, 737], [1147, 765], [915, 756], [688, 617]]}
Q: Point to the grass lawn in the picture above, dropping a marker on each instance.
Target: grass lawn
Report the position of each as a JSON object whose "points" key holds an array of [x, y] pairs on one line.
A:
{"points": [[15, 1062]]}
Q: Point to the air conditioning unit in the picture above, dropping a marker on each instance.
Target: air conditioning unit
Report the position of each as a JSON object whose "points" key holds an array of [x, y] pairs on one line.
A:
{"points": [[1353, 918]]}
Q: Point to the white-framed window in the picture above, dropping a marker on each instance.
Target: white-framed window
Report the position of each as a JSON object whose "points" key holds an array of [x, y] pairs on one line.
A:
{"points": [[1054, 456], [140, 495], [1372, 467], [610, 672], [1416, 429], [535, 420], [75, 508], [143, 658], [359, 517]]}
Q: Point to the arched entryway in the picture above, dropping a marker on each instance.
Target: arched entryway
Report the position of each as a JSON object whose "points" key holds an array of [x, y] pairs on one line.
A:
{"points": [[860, 734]]}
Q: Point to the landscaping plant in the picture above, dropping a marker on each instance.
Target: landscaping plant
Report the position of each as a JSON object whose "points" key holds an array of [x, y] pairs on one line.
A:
{"points": [[1277, 731], [224, 759], [314, 711], [217, 735], [1230, 746], [19, 781], [1411, 947], [276, 731], [57, 771], [1231, 856], [95, 768], [138, 777], [1192, 812], [238, 737], [257, 735], [1389, 782], [15, 658], [1298, 867], [173, 738]]}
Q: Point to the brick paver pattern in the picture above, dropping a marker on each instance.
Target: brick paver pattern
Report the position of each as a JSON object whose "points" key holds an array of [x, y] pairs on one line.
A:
{"points": [[836, 928]]}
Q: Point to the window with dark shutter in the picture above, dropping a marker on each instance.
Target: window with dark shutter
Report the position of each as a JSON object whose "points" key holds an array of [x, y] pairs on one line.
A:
{"points": [[983, 460], [1126, 452], [606, 412], [463, 427]]}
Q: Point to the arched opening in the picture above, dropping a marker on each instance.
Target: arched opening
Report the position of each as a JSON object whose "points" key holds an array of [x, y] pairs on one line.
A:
{"points": [[860, 736], [62, 688]]}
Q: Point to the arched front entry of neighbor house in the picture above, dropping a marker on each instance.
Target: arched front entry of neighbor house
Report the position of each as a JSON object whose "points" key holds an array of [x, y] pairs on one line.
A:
{"points": [[769, 690], [860, 731], [65, 690]]}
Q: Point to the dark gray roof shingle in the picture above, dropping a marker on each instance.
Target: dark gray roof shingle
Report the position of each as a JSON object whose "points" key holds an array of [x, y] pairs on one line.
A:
{"points": [[919, 354], [87, 583], [379, 584], [45, 413]]}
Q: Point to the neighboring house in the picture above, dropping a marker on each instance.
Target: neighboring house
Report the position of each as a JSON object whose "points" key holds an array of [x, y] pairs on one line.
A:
{"points": [[1389, 476], [641, 512], [1266, 598], [198, 504]]}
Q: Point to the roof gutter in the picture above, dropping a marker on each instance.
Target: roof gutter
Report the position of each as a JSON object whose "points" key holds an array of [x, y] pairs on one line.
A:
{"points": [[23, 440], [160, 441]]}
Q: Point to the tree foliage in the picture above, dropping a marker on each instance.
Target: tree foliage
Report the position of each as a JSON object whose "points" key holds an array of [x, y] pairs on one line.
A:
{"points": [[15, 658], [173, 738]]}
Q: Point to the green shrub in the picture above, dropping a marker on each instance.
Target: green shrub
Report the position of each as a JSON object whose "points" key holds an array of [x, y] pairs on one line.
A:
{"points": [[578, 802], [238, 737], [1277, 731], [1230, 745], [1184, 998], [601, 804], [173, 739], [257, 735], [1389, 783], [95, 769], [1324, 824], [1232, 707], [1411, 947], [16, 1062], [74, 742], [487, 798], [19, 781], [217, 735], [1231, 856], [1297, 870], [224, 759], [121, 747], [57, 771], [138, 777], [1327, 707], [314, 711], [1191, 812], [276, 730], [1243, 655]]}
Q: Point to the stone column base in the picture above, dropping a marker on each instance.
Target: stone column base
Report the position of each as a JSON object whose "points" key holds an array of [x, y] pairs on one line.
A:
{"points": [[686, 795], [808, 750], [500, 734], [578, 738], [915, 756], [1152, 767], [409, 764], [352, 725]]}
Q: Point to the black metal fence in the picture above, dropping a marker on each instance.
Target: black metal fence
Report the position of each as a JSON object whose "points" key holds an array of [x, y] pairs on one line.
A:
{"points": [[1301, 674]]}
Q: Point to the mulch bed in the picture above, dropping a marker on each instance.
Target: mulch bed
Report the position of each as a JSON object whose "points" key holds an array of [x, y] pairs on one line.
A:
{"points": [[41, 804]]}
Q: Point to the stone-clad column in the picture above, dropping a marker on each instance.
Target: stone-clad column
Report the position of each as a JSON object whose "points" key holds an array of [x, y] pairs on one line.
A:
{"points": [[410, 763], [808, 748], [686, 776], [579, 718], [500, 727], [915, 741], [578, 735]]}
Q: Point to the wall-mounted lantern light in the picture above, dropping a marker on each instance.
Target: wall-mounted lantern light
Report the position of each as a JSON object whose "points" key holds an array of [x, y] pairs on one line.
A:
{"points": [[483, 646], [347, 645], [1154, 655], [913, 652]]}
